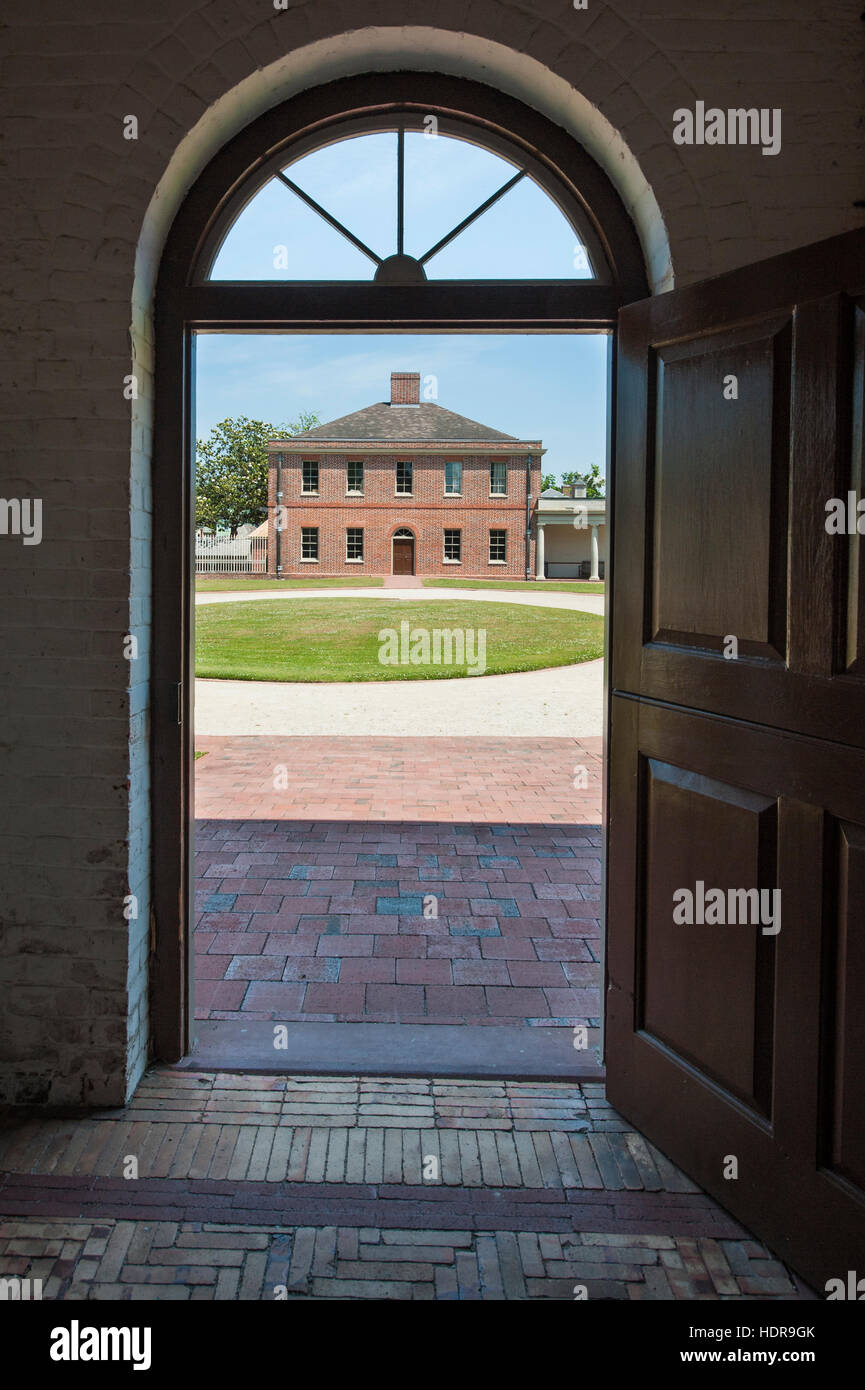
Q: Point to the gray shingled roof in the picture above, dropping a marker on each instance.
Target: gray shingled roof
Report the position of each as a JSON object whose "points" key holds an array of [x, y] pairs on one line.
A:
{"points": [[416, 423]]}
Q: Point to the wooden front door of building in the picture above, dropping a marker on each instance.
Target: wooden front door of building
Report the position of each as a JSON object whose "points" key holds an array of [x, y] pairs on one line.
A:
{"points": [[403, 555], [736, 798]]}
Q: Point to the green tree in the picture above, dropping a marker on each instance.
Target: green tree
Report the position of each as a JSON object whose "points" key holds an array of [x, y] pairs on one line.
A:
{"points": [[594, 483], [231, 471]]}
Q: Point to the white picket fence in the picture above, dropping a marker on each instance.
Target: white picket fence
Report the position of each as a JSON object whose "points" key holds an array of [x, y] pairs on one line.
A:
{"points": [[222, 553]]}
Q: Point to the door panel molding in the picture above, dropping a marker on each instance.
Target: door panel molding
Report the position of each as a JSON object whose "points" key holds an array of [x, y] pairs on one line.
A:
{"points": [[733, 1042], [696, 1115]]}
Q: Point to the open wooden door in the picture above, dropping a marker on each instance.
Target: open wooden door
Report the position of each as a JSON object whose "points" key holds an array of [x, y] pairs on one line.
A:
{"points": [[737, 746]]}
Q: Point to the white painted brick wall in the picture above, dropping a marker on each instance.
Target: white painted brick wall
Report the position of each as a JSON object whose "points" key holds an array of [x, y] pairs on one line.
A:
{"points": [[74, 836]]}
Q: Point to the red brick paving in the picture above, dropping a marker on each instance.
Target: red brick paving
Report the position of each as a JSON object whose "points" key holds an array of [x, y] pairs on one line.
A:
{"points": [[494, 780], [309, 907], [254, 1187]]}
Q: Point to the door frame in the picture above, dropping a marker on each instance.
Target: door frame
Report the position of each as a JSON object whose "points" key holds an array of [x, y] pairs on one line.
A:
{"points": [[397, 537], [184, 307]]}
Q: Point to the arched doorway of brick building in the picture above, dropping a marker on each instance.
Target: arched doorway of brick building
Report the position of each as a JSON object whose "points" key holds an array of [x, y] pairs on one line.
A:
{"points": [[603, 270], [745, 772], [403, 551]]}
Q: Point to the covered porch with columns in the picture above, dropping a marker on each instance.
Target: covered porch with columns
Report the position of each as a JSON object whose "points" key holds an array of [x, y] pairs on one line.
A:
{"points": [[570, 537]]}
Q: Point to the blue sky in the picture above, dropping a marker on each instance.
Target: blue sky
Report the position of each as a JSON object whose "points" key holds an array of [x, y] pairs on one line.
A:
{"points": [[522, 236], [547, 386], [531, 386]]}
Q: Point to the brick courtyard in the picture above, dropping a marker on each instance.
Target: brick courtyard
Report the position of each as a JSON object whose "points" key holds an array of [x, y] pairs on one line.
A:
{"points": [[264, 1187], [408, 880], [258, 1188]]}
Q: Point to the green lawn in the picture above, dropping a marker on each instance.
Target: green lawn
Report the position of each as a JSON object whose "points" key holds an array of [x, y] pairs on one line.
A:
{"points": [[338, 640], [236, 583], [559, 586]]}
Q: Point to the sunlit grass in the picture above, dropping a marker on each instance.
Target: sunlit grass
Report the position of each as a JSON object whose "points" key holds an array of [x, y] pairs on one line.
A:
{"points": [[338, 639]]}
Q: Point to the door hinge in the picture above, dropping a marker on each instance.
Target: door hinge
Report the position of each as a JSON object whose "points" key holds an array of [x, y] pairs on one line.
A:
{"points": [[180, 703]]}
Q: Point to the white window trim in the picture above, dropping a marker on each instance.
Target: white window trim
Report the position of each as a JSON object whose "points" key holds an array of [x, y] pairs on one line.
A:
{"points": [[459, 491], [310, 559], [498, 463], [355, 559]]}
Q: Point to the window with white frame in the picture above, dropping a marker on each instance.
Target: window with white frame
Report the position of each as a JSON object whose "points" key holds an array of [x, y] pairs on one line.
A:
{"points": [[498, 547], [453, 544], [309, 481], [453, 478], [498, 478], [354, 477], [309, 542], [404, 472], [354, 543]]}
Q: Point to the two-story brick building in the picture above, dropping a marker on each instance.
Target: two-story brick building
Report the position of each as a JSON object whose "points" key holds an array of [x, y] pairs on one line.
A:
{"points": [[403, 487]]}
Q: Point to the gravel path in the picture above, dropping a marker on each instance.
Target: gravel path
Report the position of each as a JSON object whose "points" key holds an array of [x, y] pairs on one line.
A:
{"points": [[566, 701], [583, 603]]}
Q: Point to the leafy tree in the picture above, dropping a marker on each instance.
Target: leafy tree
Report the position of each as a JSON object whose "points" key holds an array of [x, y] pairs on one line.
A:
{"points": [[231, 471], [594, 483]]}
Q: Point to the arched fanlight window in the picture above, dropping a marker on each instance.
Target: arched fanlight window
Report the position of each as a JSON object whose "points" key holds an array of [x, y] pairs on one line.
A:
{"points": [[412, 200], [403, 534]]}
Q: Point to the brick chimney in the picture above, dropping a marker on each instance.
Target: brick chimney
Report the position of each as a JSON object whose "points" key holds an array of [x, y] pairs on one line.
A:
{"points": [[405, 388]]}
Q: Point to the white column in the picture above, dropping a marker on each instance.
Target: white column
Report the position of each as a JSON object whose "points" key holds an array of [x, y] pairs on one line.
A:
{"points": [[594, 574], [539, 553]]}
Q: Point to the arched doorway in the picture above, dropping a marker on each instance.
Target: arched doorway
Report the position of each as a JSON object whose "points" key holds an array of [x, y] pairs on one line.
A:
{"points": [[698, 776], [401, 293], [402, 552]]}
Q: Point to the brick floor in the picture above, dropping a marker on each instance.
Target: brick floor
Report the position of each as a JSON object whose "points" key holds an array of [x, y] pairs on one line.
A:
{"points": [[426, 920], [488, 780], [314, 1187]]}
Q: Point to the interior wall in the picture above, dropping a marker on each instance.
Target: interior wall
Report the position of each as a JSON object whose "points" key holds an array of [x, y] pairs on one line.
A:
{"points": [[85, 213]]}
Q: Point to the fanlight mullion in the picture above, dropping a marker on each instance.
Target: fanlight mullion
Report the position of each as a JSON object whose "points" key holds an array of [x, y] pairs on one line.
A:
{"points": [[472, 217], [400, 190], [328, 217]]}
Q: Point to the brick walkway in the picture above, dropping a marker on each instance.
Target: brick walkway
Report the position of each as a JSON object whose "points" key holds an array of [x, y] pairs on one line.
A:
{"points": [[489, 780], [477, 902], [266, 1187]]}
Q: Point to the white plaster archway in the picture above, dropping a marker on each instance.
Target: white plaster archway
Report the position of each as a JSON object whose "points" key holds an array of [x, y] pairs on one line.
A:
{"points": [[389, 49]]}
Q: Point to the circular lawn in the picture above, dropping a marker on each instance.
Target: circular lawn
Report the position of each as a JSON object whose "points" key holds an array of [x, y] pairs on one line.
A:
{"points": [[379, 640]]}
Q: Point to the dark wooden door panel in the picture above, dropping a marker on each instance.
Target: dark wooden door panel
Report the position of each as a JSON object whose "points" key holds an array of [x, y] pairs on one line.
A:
{"points": [[721, 518], [706, 985], [737, 767], [718, 519], [853, 629], [403, 557], [845, 1151], [724, 1041]]}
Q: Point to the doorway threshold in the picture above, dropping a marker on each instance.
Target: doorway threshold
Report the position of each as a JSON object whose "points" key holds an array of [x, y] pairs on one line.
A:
{"points": [[517, 1053]]}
